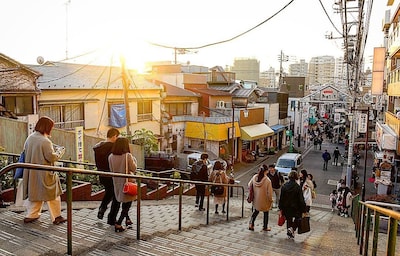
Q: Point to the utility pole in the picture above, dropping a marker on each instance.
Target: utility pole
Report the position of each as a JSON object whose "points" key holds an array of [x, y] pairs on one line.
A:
{"points": [[281, 59], [125, 84]]}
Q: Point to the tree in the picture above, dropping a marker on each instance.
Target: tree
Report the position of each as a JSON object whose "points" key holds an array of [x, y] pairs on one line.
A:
{"points": [[146, 139]]}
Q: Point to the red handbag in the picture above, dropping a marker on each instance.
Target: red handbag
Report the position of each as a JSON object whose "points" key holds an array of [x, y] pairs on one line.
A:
{"points": [[281, 219], [130, 188]]}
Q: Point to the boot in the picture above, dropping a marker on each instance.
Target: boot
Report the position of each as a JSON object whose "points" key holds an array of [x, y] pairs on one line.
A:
{"points": [[223, 208], [216, 209]]}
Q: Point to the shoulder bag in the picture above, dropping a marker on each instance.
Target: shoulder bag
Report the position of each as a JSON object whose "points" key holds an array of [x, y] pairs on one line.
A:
{"points": [[250, 197], [130, 188], [19, 172], [217, 189]]}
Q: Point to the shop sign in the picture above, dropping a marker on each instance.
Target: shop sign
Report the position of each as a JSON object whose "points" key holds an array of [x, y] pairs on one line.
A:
{"points": [[362, 123]]}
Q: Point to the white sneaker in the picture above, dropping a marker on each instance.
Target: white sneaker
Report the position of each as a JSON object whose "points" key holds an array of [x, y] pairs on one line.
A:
{"points": [[290, 233], [346, 215]]}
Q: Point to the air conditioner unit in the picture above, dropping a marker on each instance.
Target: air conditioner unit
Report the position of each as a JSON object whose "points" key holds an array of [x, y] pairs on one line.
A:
{"points": [[220, 104]]}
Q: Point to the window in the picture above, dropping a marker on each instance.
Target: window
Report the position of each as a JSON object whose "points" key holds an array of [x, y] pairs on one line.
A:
{"points": [[66, 116], [145, 112], [178, 109], [19, 105]]}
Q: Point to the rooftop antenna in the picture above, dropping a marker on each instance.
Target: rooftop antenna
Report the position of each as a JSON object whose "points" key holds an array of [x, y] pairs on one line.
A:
{"points": [[66, 28]]}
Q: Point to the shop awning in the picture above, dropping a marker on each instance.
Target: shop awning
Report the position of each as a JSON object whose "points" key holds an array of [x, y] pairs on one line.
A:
{"points": [[255, 132], [278, 127], [213, 132]]}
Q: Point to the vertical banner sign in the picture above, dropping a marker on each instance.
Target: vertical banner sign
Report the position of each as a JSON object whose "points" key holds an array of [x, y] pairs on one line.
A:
{"points": [[79, 143], [362, 123], [336, 117], [32, 120]]}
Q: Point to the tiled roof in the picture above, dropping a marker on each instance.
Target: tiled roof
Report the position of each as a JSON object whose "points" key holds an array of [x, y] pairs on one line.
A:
{"points": [[211, 92], [80, 76], [176, 91]]}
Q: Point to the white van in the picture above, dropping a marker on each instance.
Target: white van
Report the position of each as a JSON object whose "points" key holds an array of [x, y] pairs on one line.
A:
{"points": [[194, 157], [287, 162]]}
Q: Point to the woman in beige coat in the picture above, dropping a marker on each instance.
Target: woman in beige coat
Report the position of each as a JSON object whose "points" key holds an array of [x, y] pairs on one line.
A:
{"points": [[262, 201], [122, 161], [218, 175], [40, 186]]}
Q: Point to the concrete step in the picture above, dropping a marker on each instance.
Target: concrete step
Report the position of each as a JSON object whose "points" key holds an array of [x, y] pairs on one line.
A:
{"points": [[160, 235], [234, 238]]}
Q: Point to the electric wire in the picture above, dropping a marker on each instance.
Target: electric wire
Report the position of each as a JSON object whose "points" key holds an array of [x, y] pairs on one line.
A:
{"points": [[226, 40], [329, 18]]}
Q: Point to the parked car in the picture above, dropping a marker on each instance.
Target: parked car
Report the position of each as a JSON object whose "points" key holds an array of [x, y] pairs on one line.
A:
{"points": [[287, 162]]}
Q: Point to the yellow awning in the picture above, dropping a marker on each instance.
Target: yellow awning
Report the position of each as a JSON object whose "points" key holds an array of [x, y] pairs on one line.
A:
{"points": [[255, 132], [214, 132]]}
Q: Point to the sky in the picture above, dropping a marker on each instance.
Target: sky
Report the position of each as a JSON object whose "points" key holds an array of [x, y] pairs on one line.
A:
{"points": [[99, 31]]}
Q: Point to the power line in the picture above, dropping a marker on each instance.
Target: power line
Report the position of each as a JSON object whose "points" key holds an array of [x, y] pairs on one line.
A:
{"points": [[227, 40]]}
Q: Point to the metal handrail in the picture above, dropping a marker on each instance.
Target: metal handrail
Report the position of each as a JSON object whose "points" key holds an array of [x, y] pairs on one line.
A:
{"points": [[69, 171], [365, 211]]}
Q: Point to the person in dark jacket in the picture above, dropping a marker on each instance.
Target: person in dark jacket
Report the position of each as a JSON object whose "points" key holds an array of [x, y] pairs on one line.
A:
{"points": [[276, 180], [101, 152], [200, 173], [292, 203]]}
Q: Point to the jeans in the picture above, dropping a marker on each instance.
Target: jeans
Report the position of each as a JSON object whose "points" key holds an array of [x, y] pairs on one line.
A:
{"points": [[265, 219], [325, 165], [200, 193]]}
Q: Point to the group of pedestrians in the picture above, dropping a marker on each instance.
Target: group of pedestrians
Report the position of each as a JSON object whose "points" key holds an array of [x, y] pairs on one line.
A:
{"points": [[45, 186], [218, 175], [293, 198]]}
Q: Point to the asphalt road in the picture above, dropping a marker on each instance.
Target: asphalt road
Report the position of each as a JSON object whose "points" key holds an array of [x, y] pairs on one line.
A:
{"points": [[312, 162]]}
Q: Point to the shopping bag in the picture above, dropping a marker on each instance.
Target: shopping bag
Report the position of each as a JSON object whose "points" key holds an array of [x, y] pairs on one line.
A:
{"points": [[303, 225], [250, 197], [281, 219]]}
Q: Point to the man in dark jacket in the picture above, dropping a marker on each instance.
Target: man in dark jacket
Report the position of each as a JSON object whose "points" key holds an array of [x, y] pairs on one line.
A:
{"points": [[326, 157], [200, 173], [101, 152], [292, 203], [276, 181]]}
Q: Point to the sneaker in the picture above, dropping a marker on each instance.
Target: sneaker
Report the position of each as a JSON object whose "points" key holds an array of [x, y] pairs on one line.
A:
{"points": [[196, 205], [216, 212], [290, 233], [342, 215], [202, 209], [100, 214], [346, 215], [223, 211]]}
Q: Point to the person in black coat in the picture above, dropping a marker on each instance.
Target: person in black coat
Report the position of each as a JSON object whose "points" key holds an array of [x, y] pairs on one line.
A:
{"points": [[200, 173], [101, 152], [292, 203]]}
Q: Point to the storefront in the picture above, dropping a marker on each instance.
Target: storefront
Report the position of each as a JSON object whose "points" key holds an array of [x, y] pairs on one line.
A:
{"points": [[279, 138], [252, 138], [384, 162]]}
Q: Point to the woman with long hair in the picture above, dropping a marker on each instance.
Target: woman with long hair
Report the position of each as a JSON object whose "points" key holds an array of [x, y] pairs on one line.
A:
{"points": [[121, 161], [218, 175], [262, 201]]}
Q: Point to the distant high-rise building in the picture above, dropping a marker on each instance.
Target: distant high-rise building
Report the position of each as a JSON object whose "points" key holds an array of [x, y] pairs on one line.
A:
{"points": [[299, 69], [268, 78], [321, 70], [340, 80], [246, 69]]}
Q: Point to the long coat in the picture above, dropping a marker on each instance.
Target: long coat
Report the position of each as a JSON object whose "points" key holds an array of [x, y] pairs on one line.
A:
{"points": [[40, 185], [219, 176], [262, 193], [291, 201], [117, 164]]}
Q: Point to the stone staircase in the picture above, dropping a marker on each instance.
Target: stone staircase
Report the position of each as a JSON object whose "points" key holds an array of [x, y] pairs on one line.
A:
{"points": [[330, 234]]}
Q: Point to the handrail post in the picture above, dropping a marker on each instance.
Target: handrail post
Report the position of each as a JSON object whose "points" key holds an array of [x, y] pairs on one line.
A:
{"points": [[361, 239], [138, 206], [69, 213], [368, 227], [227, 201], [242, 202], [208, 204], [391, 244], [180, 206], [376, 233]]}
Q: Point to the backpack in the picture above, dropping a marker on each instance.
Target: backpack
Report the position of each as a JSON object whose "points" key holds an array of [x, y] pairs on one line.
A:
{"points": [[328, 156], [196, 167]]}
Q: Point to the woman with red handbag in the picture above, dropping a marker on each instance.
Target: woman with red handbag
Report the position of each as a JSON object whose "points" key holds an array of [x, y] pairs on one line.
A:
{"points": [[122, 161]]}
